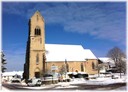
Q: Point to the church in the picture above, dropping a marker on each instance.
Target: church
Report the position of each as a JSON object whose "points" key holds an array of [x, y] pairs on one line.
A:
{"points": [[42, 58]]}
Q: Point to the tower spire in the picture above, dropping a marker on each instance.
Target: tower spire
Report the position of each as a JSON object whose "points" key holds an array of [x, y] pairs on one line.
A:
{"points": [[37, 13]]}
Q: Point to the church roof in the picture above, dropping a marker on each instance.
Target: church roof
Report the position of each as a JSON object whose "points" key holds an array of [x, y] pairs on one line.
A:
{"points": [[89, 54], [62, 52]]}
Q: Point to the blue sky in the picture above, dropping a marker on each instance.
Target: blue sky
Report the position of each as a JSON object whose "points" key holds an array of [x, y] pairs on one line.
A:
{"points": [[98, 26]]}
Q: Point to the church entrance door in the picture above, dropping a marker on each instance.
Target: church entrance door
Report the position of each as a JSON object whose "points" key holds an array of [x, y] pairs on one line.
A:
{"points": [[37, 74]]}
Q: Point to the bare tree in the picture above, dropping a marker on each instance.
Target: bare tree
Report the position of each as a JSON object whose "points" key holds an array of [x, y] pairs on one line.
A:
{"points": [[99, 67], [121, 66], [118, 56], [62, 69]]}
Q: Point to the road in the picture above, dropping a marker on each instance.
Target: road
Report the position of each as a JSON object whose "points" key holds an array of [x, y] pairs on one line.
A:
{"points": [[18, 86], [14, 86]]}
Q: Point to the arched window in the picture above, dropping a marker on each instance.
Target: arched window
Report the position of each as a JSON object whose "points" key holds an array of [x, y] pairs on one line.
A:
{"points": [[37, 31], [37, 59], [93, 65], [82, 67], [67, 67]]}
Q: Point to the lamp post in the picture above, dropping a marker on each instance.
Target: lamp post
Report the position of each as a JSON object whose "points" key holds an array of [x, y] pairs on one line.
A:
{"points": [[65, 67]]}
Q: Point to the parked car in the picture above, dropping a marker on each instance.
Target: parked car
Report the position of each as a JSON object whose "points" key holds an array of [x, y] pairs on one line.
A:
{"points": [[51, 78], [16, 79], [78, 75], [34, 82], [47, 77]]}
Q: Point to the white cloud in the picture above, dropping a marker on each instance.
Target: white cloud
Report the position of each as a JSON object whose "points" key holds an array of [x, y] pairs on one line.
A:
{"points": [[101, 23], [102, 20]]}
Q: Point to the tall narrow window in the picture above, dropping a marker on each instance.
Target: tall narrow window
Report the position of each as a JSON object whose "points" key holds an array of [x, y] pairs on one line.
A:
{"points": [[37, 59], [67, 67], [35, 31], [82, 67], [72, 69], [39, 32], [37, 18], [93, 65]]}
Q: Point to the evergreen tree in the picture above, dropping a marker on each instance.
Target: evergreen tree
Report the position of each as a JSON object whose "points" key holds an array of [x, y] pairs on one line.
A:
{"points": [[3, 62]]}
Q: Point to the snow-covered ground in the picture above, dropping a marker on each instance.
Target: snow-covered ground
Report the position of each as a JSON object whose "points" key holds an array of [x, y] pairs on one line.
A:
{"points": [[74, 82], [99, 81]]}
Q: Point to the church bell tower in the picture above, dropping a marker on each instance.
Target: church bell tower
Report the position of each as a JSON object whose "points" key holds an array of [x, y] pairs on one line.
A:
{"points": [[35, 50]]}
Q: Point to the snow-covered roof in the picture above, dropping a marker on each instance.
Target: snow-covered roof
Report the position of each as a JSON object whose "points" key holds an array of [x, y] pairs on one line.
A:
{"points": [[12, 73], [107, 60], [62, 52], [88, 54]]}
